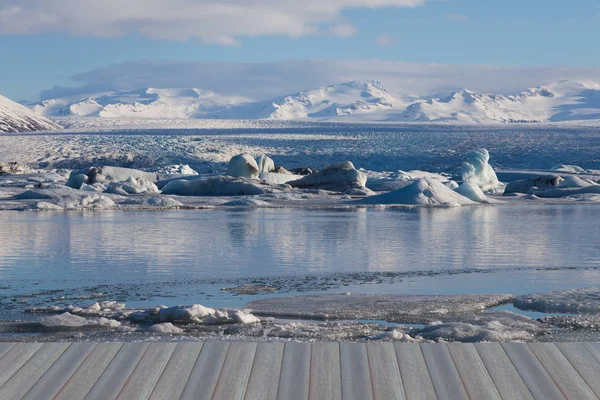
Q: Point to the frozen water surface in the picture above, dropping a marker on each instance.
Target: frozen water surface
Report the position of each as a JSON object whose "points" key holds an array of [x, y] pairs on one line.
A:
{"points": [[225, 258]]}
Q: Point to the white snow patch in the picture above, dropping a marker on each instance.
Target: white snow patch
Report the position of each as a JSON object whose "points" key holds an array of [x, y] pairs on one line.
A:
{"points": [[166, 328]]}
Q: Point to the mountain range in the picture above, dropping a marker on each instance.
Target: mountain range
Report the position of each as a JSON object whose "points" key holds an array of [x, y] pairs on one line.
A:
{"points": [[356, 101]]}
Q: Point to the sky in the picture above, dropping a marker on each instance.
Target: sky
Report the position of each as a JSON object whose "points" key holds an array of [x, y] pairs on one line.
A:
{"points": [[55, 43]]}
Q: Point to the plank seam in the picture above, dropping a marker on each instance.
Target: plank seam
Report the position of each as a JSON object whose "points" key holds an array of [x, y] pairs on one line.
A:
{"points": [[575, 369], [489, 373], [518, 372], [251, 368], [428, 372], [133, 372], [191, 369], [460, 375], [70, 376], [12, 345], [370, 370], [400, 373], [548, 372], [221, 371], [45, 372], [21, 366], [281, 371], [341, 373], [591, 352]]}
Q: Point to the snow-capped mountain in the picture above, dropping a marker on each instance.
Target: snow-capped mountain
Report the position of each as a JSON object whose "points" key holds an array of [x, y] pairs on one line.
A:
{"points": [[558, 101], [17, 118], [362, 97], [142, 103], [356, 101]]}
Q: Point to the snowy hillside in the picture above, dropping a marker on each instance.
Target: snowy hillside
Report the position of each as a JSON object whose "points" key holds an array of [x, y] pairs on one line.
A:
{"points": [[17, 118], [142, 103], [356, 101], [352, 98], [559, 101]]}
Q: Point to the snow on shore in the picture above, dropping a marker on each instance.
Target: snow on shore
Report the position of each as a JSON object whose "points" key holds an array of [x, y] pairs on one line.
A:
{"points": [[572, 301]]}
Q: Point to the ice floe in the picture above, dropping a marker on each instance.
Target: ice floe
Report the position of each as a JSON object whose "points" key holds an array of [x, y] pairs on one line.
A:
{"points": [[243, 166], [338, 177], [401, 308], [216, 186], [571, 301], [423, 192], [67, 319]]}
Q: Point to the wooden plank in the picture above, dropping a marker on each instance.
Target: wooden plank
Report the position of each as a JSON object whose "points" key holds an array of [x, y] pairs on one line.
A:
{"points": [[81, 382], [205, 374], [413, 370], [177, 372], [264, 378], [61, 371], [385, 374], [15, 358], [536, 378], [356, 376], [584, 363], [142, 380], [506, 378], [5, 347], [236, 372], [472, 371], [117, 373], [294, 380], [562, 372], [325, 371], [20, 383], [444, 375], [594, 349]]}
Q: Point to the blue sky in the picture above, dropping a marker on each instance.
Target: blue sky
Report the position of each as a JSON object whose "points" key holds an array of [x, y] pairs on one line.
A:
{"points": [[508, 32]]}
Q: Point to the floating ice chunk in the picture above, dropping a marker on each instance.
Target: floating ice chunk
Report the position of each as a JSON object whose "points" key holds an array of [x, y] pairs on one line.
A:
{"points": [[243, 166], [177, 169], [472, 192], [575, 182], [106, 174], [132, 185], [215, 186], [44, 205], [571, 301], [483, 327], [265, 164], [246, 203], [564, 192], [526, 185], [67, 198], [477, 171], [338, 177], [245, 318], [275, 178], [572, 169], [185, 313], [69, 320], [153, 201], [425, 191], [166, 327]]}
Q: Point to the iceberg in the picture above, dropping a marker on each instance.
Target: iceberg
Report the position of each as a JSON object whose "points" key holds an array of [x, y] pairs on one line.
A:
{"points": [[477, 171], [422, 192], [243, 166]]}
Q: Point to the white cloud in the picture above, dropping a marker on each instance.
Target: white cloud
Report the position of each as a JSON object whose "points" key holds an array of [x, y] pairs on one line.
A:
{"points": [[213, 21], [344, 30], [261, 81], [385, 40], [457, 17]]}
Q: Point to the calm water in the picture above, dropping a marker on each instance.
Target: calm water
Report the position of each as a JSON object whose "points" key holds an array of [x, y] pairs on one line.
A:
{"points": [[117, 246]]}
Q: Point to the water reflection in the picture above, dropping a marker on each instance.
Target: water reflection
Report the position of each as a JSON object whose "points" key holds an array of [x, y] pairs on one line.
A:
{"points": [[110, 246]]}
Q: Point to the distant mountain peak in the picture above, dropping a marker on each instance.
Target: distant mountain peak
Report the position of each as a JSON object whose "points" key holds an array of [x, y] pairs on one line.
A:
{"points": [[17, 118]]}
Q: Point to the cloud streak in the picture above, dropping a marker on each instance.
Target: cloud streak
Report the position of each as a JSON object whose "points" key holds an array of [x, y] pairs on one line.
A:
{"points": [[262, 81], [212, 21]]}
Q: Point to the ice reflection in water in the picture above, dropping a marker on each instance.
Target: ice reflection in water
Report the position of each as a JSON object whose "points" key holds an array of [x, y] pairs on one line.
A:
{"points": [[112, 246]]}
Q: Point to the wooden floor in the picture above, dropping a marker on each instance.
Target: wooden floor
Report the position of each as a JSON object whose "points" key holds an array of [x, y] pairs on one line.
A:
{"points": [[362, 371]]}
